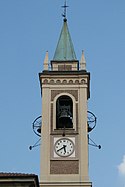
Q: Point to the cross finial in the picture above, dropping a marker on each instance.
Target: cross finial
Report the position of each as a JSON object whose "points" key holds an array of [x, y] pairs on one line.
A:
{"points": [[65, 8]]}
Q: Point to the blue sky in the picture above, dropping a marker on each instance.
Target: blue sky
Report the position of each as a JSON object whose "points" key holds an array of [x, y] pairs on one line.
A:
{"points": [[28, 28]]}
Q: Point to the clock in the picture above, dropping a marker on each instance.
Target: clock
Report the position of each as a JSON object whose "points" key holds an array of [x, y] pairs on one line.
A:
{"points": [[64, 147]]}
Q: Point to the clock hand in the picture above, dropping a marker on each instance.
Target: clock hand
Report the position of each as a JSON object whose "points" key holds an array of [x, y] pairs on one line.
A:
{"points": [[64, 146], [60, 149]]}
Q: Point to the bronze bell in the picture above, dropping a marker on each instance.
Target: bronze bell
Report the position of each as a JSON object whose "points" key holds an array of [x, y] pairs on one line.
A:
{"points": [[65, 117]]}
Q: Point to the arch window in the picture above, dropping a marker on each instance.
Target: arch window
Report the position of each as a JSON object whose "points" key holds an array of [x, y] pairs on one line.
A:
{"points": [[64, 112]]}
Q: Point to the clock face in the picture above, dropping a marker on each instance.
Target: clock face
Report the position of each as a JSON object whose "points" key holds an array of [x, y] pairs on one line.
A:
{"points": [[64, 147]]}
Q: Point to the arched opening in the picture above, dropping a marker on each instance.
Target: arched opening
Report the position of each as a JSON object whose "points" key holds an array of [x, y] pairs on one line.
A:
{"points": [[64, 112]]}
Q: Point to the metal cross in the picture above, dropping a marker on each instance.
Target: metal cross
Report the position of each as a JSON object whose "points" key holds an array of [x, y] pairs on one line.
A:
{"points": [[65, 7]]}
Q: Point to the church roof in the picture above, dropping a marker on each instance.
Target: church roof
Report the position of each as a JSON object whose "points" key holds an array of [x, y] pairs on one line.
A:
{"points": [[18, 179], [64, 50]]}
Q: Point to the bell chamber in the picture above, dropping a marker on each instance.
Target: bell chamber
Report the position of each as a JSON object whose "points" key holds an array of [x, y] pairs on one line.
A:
{"points": [[64, 112]]}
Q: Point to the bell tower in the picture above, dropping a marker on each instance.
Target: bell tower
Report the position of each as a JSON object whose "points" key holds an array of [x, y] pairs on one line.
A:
{"points": [[64, 135]]}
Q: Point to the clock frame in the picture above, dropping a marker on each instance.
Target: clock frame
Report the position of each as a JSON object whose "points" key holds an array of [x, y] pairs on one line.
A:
{"points": [[64, 147], [60, 156]]}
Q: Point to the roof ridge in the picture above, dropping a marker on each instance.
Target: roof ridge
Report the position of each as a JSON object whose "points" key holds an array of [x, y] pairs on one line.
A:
{"points": [[2, 174]]}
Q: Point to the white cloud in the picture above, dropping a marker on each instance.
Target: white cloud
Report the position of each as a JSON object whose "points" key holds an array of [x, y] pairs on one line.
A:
{"points": [[121, 167]]}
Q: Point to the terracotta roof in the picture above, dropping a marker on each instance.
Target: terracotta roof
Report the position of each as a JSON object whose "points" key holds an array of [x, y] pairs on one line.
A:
{"points": [[19, 176]]}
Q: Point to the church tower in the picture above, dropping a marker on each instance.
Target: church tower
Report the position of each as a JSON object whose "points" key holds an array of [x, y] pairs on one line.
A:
{"points": [[64, 135]]}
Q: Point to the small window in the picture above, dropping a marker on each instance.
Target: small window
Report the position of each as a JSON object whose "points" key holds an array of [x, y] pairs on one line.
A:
{"points": [[64, 112], [64, 67]]}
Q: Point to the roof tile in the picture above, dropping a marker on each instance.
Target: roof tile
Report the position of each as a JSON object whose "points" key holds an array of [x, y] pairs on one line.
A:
{"points": [[4, 174]]}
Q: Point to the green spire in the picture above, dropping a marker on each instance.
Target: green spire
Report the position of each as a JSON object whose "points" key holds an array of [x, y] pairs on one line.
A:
{"points": [[64, 50]]}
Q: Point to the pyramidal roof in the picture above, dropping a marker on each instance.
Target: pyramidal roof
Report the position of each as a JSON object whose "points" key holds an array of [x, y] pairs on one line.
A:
{"points": [[64, 50]]}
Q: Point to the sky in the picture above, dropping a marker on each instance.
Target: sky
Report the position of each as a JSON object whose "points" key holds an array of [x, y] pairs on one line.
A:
{"points": [[29, 28]]}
